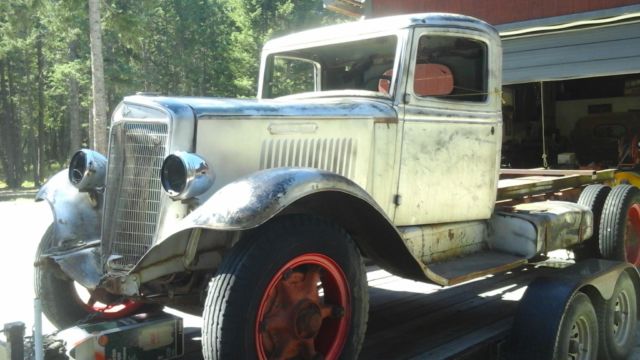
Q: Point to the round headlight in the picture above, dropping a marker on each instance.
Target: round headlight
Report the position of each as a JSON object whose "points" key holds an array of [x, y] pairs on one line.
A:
{"points": [[185, 175], [87, 170]]}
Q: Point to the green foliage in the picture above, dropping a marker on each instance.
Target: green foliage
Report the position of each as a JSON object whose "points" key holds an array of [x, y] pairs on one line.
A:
{"points": [[174, 47], [256, 22]]}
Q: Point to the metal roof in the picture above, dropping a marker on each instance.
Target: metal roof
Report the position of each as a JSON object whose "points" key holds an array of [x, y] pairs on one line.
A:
{"points": [[559, 23], [590, 44]]}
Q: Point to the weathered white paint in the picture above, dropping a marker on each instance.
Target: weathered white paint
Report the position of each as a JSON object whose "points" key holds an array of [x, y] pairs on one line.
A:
{"points": [[433, 243]]}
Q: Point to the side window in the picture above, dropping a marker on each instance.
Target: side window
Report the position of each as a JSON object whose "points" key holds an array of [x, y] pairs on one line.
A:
{"points": [[452, 68], [292, 76]]}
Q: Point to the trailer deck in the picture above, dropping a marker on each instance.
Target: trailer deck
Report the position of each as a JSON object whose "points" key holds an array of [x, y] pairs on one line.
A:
{"points": [[410, 320]]}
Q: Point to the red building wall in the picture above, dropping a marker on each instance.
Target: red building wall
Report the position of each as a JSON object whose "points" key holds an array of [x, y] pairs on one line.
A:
{"points": [[496, 11]]}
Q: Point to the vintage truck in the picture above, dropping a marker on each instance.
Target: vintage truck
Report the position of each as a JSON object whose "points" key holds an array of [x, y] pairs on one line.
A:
{"points": [[375, 140]]}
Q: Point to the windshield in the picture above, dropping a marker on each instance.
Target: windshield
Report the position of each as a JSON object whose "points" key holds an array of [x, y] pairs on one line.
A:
{"points": [[356, 65]]}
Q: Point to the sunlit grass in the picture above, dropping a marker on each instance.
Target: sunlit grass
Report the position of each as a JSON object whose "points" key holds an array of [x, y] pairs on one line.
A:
{"points": [[27, 184], [50, 170]]}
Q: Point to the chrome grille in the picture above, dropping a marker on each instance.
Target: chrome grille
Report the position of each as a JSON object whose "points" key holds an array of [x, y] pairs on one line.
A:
{"points": [[134, 192]]}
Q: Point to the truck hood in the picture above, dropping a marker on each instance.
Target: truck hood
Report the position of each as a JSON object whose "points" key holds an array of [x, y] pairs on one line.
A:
{"points": [[351, 104]]}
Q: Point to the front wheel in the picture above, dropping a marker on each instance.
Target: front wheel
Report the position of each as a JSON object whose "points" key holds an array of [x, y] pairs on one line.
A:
{"points": [[294, 288], [67, 303]]}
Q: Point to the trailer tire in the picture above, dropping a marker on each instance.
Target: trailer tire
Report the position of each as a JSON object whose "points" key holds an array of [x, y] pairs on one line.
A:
{"points": [[261, 282], [578, 333], [61, 302], [617, 320], [592, 197], [619, 233]]}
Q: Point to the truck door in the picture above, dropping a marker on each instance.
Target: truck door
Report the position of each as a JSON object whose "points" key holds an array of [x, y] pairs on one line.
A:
{"points": [[452, 129]]}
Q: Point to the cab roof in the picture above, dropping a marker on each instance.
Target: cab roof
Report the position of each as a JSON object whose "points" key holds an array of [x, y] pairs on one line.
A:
{"points": [[371, 27]]}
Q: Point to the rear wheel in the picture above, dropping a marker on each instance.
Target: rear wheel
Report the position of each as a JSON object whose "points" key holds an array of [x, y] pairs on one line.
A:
{"points": [[593, 197], [617, 320], [65, 302], [620, 225], [294, 288], [578, 335]]}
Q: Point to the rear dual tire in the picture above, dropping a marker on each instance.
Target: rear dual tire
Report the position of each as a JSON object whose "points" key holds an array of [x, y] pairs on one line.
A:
{"points": [[619, 231], [593, 197], [617, 235]]}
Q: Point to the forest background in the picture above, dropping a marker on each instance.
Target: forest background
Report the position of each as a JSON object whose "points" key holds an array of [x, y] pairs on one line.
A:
{"points": [[171, 47]]}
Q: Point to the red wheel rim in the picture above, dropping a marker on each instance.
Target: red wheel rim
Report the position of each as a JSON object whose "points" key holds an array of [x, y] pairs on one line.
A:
{"points": [[297, 317], [114, 310], [631, 241]]}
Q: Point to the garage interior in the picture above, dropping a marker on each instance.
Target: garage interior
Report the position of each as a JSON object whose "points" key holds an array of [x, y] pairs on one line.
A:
{"points": [[575, 80], [588, 123]]}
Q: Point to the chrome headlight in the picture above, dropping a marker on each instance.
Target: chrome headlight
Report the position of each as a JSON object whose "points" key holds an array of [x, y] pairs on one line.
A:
{"points": [[87, 170], [185, 175]]}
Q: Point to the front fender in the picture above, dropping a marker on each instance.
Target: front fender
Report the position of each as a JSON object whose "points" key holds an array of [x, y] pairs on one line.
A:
{"points": [[251, 201], [76, 215]]}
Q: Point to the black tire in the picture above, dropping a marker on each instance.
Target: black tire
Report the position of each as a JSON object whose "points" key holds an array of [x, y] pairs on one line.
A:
{"points": [[54, 291], [617, 321], [619, 233], [592, 197], [60, 300], [578, 334], [260, 261]]}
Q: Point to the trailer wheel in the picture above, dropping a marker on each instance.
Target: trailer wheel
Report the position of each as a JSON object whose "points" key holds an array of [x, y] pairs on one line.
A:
{"points": [[620, 225], [593, 197], [66, 303], [617, 321], [578, 334], [293, 288]]}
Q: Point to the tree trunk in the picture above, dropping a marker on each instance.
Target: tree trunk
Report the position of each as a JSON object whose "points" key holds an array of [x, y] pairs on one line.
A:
{"points": [[75, 125], [4, 125], [40, 135], [97, 77], [10, 129]]}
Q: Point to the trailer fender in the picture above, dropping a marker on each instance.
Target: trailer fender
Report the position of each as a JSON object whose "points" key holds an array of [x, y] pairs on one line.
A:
{"points": [[76, 215], [251, 201], [537, 321]]}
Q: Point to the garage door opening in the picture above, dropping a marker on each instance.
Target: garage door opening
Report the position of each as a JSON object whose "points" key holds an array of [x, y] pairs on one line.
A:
{"points": [[589, 123]]}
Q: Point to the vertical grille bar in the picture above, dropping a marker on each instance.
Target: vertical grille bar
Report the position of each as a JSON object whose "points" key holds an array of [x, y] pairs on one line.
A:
{"points": [[134, 191]]}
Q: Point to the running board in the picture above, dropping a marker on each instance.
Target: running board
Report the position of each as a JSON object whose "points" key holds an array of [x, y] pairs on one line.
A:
{"points": [[459, 270]]}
